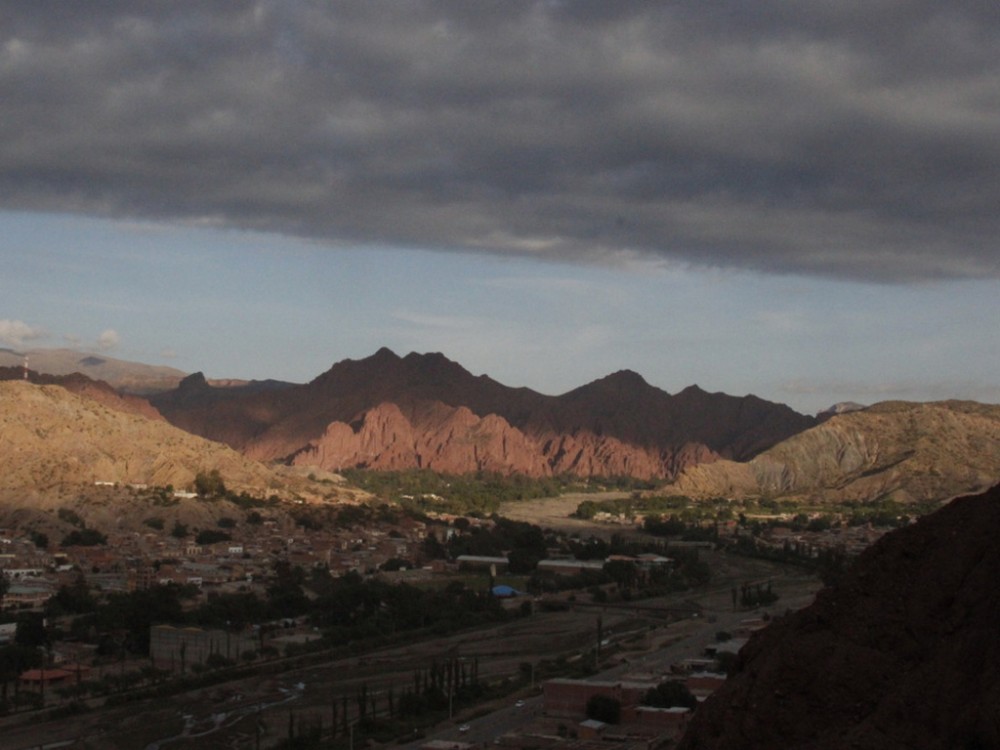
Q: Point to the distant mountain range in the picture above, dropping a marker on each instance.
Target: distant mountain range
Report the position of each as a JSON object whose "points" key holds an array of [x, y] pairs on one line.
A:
{"points": [[129, 377], [425, 411]]}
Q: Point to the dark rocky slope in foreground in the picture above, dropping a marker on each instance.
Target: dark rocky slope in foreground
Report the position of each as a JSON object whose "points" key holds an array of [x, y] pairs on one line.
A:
{"points": [[903, 653]]}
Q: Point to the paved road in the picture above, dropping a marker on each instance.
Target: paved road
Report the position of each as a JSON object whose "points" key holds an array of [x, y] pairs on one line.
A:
{"points": [[675, 642]]}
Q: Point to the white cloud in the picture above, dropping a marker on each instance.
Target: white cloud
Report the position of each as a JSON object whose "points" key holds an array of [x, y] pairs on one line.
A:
{"points": [[109, 339], [17, 332]]}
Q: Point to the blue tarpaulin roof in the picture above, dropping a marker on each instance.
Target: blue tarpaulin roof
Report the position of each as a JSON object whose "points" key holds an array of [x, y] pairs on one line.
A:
{"points": [[502, 590]]}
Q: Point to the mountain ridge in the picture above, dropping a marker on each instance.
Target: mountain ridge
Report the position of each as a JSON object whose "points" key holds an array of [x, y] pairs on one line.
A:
{"points": [[895, 449], [617, 423]]}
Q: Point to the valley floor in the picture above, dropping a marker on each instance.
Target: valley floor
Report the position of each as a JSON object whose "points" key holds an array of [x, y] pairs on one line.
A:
{"points": [[227, 715]]}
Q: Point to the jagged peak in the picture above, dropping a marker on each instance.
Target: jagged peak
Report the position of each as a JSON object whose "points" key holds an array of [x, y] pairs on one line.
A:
{"points": [[429, 358], [693, 390], [627, 376], [623, 379], [195, 380]]}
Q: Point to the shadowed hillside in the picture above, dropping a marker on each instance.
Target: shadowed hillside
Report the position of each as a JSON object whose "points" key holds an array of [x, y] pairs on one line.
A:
{"points": [[901, 653]]}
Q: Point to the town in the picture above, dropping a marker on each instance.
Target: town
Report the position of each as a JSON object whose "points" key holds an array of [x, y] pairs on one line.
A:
{"points": [[157, 606]]}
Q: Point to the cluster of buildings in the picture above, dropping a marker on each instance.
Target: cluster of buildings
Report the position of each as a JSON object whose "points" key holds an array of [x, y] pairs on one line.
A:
{"points": [[640, 727], [852, 540], [136, 560]]}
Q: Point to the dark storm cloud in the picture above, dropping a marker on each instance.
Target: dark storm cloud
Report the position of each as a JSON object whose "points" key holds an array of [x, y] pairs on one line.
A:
{"points": [[841, 139]]}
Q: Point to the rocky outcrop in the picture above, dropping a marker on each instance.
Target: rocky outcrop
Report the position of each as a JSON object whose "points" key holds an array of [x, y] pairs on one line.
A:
{"points": [[446, 439], [454, 440], [898, 450], [901, 653]]}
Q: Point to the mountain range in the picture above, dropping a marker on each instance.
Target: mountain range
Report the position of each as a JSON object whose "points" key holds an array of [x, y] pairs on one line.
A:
{"points": [[426, 411], [122, 375]]}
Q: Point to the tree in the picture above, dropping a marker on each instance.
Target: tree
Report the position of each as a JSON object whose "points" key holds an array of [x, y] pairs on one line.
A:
{"points": [[209, 484], [670, 694], [84, 538], [433, 549], [211, 536], [31, 631], [72, 599], [623, 572]]}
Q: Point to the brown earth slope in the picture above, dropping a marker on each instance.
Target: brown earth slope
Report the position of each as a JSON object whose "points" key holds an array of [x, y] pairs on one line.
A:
{"points": [[83, 386], [901, 653], [424, 410], [904, 451], [52, 440]]}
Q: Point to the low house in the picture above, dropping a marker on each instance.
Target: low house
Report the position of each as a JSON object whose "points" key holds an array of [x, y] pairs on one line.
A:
{"points": [[27, 595], [43, 679], [569, 567], [482, 562], [568, 697], [591, 729], [703, 684]]}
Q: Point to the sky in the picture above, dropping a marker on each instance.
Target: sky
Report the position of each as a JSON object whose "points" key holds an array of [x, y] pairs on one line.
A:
{"points": [[795, 200]]}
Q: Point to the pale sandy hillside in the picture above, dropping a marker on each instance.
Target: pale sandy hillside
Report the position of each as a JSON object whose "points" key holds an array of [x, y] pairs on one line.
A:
{"points": [[52, 441], [904, 451]]}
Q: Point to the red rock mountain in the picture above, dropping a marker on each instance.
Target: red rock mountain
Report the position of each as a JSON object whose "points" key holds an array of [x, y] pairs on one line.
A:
{"points": [[423, 410], [901, 653]]}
